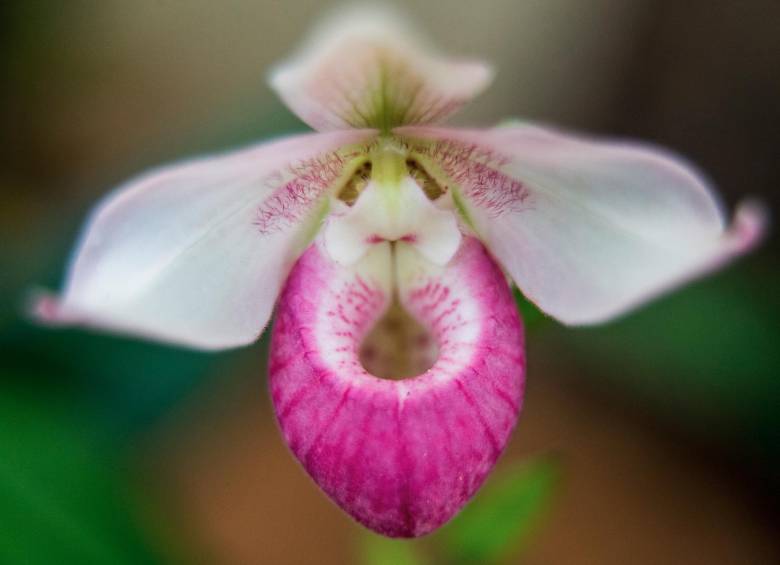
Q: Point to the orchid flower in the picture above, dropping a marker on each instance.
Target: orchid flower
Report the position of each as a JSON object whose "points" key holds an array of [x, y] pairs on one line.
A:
{"points": [[388, 245]]}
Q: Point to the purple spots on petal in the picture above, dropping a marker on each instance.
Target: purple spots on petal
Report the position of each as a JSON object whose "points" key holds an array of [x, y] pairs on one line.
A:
{"points": [[295, 189], [478, 172]]}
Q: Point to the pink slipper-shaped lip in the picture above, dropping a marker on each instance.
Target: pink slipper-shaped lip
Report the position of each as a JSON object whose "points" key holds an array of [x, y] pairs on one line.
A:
{"points": [[400, 456]]}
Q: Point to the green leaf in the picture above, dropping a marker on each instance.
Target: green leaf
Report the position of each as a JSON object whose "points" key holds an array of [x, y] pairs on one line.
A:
{"points": [[125, 385], [379, 550], [504, 515], [705, 358], [61, 499]]}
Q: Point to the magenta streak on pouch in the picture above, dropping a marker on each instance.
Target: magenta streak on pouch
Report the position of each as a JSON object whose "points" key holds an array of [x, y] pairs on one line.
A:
{"points": [[402, 457]]}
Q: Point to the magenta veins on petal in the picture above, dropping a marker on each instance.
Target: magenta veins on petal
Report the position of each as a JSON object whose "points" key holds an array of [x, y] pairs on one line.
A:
{"points": [[401, 456]]}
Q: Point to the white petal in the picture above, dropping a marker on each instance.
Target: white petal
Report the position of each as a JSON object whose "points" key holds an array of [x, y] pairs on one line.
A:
{"points": [[195, 253], [587, 229], [366, 69]]}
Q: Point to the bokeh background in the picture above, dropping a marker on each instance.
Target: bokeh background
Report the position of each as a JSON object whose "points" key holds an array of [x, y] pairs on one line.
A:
{"points": [[654, 439]]}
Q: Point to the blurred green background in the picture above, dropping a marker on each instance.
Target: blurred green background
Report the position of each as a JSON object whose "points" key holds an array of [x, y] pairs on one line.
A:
{"points": [[654, 439]]}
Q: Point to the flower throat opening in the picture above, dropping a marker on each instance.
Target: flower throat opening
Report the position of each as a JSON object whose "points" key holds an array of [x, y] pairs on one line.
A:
{"points": [[398, 346]]}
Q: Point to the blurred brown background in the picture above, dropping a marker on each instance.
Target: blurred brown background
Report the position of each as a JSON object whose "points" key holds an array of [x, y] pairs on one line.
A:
{"points": [[666, 423]]}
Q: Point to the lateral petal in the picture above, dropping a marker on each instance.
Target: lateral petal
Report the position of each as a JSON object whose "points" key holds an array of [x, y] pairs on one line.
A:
{"points": [[195, 253], [587, 229]]}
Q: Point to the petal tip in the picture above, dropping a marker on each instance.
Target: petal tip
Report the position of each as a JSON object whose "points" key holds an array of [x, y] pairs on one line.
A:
{"points": [[375, 23], [751, 224], [45, 308]]}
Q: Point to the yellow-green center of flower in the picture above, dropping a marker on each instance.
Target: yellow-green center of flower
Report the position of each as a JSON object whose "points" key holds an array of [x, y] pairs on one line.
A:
{"points": [[391, 197]]}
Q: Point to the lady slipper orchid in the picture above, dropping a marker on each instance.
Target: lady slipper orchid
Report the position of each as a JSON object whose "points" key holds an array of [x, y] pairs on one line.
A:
{"points": [[397, 360]]}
